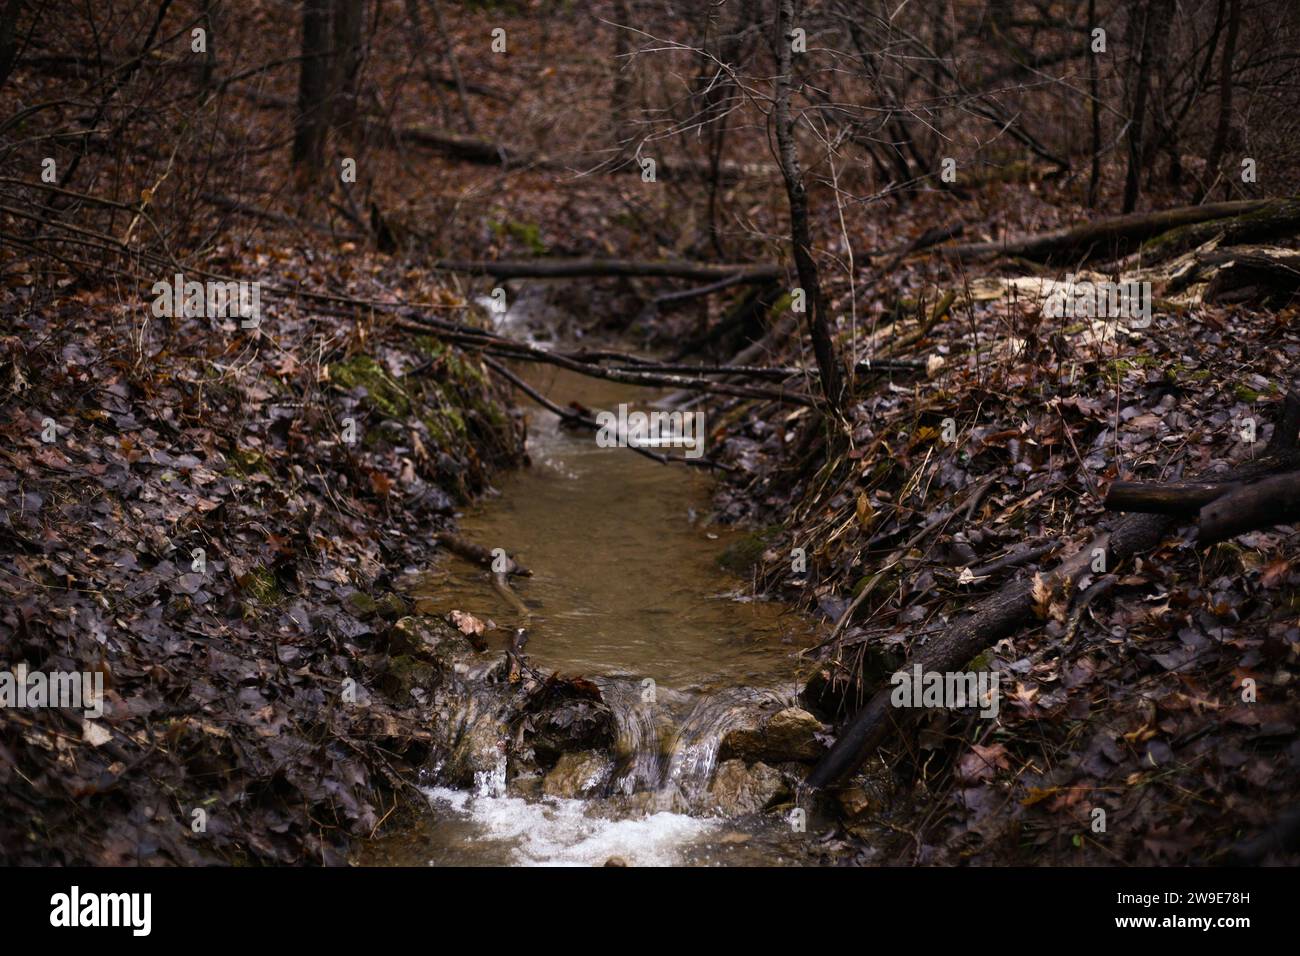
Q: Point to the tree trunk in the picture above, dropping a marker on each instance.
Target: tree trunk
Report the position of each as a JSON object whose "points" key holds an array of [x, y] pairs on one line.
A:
{"points": [[1094, 94], [1156, 23], [818, 327], [1225, 98], [346, 63], [312, 119], [8, 37]]}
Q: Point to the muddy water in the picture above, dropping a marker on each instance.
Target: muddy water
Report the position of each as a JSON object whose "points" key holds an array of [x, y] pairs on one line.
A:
{"points": [[626, 591], [625, 568]]}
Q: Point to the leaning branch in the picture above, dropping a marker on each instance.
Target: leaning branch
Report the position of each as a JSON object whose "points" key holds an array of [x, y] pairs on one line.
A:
{"points": [[576, 418]]}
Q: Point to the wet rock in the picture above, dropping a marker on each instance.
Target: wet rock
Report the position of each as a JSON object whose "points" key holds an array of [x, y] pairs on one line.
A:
{"points": [[478, 759], [403, 674], [566, 726], [855, 802], [527, 785], [738, 789], [413, 635], [789, 734], [580, 774], [391, 607]]}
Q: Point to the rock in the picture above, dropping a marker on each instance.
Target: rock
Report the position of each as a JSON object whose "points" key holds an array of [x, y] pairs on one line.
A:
{"points": [[792, 735], [403, 674], [737, 789], [855, 801], [789, 734], [526, 785], [391, 607], [479, 756], [616, 861], [414, 635], [568, 726], [581, 774]]}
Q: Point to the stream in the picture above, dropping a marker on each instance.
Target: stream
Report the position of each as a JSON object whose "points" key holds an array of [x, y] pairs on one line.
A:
{"points": [[626, 592]]}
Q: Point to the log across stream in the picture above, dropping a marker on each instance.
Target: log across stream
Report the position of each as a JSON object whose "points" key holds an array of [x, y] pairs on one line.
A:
{"points": [[627, 592]]}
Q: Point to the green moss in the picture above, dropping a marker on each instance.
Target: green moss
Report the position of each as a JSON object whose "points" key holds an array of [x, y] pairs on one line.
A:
{"points": [[525, 233], [443, 418], [383, 392], [403, 674], [1118, 368], [862, 583], [391, 607], [244, 463], [741, 555], [780, 306], [363, 605], [1246, 394], [262, 588]]}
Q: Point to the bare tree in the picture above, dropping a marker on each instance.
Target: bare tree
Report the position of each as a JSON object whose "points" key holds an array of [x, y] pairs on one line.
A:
{"points": [[1224, 125], [800, 234], [1156, 19]]}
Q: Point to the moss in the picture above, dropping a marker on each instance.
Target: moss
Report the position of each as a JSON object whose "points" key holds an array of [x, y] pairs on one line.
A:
{"points": [[391, 607], [525, 233], [744, 553], [1118, 368], [404, 674], [244, 463], [450, 364], [1274, 218], [362, 604], [262, 588], [444, 420], [1245, 393], [383, 392], [781, 306]]}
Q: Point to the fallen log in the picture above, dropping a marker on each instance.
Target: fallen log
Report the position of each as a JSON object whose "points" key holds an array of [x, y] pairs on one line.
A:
{"points": [[279, 218], [605, 268], [1102, 237], [1250, 275], [1003, 613], [477, 554], [1182, 498], [1262, 504], [487, 152], [508, 348], [1277, 217]]}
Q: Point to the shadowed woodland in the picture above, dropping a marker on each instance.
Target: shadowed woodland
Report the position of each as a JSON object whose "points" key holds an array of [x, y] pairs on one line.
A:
{"points": [[988, 306]]}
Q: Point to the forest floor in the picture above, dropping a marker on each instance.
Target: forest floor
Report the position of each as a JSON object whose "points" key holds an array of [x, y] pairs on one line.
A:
{"points": [[205, 528]]}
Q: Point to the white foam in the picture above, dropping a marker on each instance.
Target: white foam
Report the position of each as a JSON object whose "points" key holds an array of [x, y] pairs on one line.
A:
{"points": [[561, 832]]}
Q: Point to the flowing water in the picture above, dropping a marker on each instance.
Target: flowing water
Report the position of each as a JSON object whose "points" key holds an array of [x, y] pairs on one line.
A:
{"points": [[627, 592]]}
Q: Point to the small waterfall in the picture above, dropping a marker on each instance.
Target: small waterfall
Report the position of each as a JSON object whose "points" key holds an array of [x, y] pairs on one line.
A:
{"points": [[693, 752], [669, 743]]}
